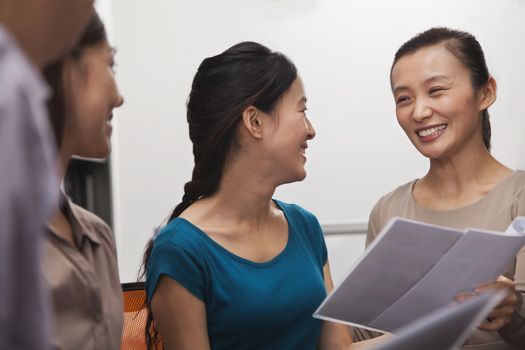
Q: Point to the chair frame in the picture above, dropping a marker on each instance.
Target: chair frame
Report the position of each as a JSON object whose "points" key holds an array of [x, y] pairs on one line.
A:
{"points": [[126, 287]]}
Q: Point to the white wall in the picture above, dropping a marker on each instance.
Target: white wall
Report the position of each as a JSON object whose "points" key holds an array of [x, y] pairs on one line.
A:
{"points": [[343, 49]]}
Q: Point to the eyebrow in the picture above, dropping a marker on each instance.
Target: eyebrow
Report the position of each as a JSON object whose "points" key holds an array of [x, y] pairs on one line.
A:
{"points": [[438, 77], [113, 50]]}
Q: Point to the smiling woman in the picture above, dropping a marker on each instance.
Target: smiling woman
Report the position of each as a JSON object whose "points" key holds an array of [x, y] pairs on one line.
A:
{"points": [[81, 262], [442, 90], [442, 79], [232, 258]]}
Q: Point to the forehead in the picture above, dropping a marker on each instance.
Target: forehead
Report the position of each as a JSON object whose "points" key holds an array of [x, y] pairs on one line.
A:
{"points": [[295, 93], [425, 63], [102, 48]]}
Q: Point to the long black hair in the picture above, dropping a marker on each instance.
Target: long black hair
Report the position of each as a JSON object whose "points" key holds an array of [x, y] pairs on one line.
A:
{"points": [[247, 74], [466, 48]]}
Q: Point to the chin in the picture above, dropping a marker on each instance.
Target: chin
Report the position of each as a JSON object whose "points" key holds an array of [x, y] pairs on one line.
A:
{"points": [[299, 176], [433, 154], [96, 154], [292, 179]]}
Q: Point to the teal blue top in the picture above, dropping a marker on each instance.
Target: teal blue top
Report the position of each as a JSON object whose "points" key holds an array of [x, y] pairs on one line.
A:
{"points": [[249, 305]]}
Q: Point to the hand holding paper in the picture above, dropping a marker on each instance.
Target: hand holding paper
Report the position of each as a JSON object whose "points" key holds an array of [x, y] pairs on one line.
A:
{"points": [[413, 269]]}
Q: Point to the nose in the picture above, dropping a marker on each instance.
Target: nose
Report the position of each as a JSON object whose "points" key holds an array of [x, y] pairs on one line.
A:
{"points": [[311, 130], [421, 111], [120, 101]]}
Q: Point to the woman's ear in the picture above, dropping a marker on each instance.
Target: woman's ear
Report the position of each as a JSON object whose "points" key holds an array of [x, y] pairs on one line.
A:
{"points": [[488, 94], [252, 121]]}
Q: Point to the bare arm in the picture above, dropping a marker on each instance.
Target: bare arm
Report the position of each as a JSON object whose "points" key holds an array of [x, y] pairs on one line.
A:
{"points": [[179, 316]]}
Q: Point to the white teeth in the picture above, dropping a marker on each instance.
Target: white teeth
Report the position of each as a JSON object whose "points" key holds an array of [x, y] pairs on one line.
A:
{"points": [[431, 131]]}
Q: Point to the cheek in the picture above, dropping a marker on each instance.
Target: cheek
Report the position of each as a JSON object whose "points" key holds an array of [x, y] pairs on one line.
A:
{"points": [[98, 94], [403, 118], [447, 106], [458, 104], [90, 114]]}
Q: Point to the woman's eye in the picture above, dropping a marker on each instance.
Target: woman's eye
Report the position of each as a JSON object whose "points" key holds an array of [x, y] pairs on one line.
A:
{"points": [[401, 99], [436, 89], [113, 66]]}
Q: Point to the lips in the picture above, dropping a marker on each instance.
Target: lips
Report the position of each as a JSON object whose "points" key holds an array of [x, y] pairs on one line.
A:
{"points": [[430, 133], [430, 130], [303, 149]]}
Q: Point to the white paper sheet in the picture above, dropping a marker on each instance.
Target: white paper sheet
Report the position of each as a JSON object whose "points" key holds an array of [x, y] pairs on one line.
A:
{"points": [[447, 328], [413, 269]]}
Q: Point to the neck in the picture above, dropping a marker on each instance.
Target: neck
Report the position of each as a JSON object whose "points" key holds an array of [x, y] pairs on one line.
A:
{"points": [[244, 194], [62, 162], [456, 175]]}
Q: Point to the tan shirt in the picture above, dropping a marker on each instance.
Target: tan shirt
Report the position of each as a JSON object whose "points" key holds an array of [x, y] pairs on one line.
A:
{"points": [[495, 211], [84, 283]]}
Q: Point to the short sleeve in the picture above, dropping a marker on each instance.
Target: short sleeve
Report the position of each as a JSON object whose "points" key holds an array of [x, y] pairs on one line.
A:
{"points": [[373, 223], [304, 220], [319, 237], [518, 209], [178, 263], [324, 250], [514, 331]]}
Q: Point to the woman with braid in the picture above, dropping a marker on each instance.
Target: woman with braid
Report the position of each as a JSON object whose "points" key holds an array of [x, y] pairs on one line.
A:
{"points": [[235, 268]]}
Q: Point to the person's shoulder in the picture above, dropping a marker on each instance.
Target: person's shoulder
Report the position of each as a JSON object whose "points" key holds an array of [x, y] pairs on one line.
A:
{"points": [[88, 218], [517, 179], [181, 233], [93, 223], [10, 83], [295, 210], [400, 193], [515, 183], [14, 68]]}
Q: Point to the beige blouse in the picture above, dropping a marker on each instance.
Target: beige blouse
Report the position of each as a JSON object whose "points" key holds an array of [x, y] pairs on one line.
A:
{"points": [[495, 211], [85, 286]]}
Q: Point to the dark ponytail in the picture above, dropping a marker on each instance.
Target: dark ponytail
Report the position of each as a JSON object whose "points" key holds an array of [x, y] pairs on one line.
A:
{"points": [[247, 74], [486, 129], [467, 50]]}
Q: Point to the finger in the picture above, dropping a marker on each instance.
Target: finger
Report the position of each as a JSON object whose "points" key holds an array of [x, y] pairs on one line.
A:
{"points": [[484, 286], [496, 286], [501, 312], [500, 282], [510, 300], [493, 325], [464, 296], [505, 280]]}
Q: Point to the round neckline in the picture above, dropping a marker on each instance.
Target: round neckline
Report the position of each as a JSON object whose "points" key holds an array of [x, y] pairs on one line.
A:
{"points": [[466, 207], [240, 258]]}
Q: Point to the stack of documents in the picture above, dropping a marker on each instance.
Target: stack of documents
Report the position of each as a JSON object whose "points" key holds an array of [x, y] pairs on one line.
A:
{"points": [[413, 269], [447, 328]]}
